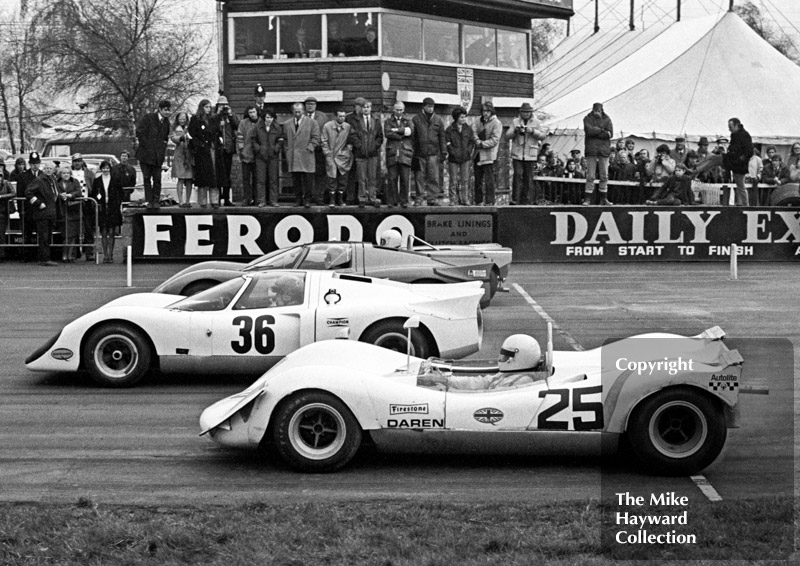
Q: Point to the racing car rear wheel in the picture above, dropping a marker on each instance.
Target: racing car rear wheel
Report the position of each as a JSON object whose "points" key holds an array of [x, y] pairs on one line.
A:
{"points": [[198, 287], [391, 335], [117, 356], [316, 432], [677, 431], [494, 279]]}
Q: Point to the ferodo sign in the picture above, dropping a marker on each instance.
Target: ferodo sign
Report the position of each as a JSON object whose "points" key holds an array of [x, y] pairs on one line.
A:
{"points": [[243, 236], [649, 233]]}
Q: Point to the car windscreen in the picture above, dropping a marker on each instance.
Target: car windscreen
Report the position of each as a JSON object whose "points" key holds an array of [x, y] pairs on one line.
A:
{"points": [[214, 299], [327, 256], [279, 259]]}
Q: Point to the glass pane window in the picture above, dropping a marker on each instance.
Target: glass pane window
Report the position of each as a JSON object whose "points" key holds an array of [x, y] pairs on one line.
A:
{"points": [[441, 41], [402, 36], [301, 36], [512, 49], [255, 38], [480, 46], [352, 35]]}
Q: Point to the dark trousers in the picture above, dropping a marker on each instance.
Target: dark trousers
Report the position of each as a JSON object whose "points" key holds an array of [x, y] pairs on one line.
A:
{"points": [[44, 232], [303, 188], [523, 181], [224, 176], [152, 182], [267, 181], [484, 174], [398, 194], [337, 185], [320, 176], [248, 183]]}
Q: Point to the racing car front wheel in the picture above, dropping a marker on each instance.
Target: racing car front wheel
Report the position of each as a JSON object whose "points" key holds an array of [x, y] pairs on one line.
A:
{"points": [[117, 355], [677, 431], [316, 432], [391, 335]]}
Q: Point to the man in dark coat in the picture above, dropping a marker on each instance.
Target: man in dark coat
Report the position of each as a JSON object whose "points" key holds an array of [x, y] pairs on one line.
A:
{"points": [[430, 147], [366, 137], [29, 223], [126, 174], [599, 130], [151, 134], [41, 193], [737, 158]]}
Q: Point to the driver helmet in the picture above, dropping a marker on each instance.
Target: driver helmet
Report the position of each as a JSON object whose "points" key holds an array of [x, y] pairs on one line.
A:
{"points": [[335, 256], [391, 238], [289, 287], [519, 352]]}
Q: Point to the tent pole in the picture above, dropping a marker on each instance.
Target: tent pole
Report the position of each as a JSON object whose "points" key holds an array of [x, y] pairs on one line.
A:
{"points": [[679, 10], [596, 16], [632, 24], [730, 7]]}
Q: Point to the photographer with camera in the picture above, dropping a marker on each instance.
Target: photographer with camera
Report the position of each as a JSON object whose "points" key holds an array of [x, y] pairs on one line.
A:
{"points": [[662, 165], [227, 125], [525, 134]]}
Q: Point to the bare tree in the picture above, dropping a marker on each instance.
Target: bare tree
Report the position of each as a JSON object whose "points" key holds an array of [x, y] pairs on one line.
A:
{"points": [[544, 33], [127, 54], [753, 17]]}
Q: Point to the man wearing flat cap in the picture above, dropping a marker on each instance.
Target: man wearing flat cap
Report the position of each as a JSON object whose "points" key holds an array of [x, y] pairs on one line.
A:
{"points": [[151, 136], [525, 134], [680, 151], [430, 146], [320, 177]]}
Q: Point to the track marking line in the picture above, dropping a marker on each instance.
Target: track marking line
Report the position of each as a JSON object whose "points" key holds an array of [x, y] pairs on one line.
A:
{"points": [[706, 488], [700, 481], [547, 318]]}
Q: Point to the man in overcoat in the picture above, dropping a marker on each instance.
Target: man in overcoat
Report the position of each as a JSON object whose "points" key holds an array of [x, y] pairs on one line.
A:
{"points": [[151, 135], [302, 138]]}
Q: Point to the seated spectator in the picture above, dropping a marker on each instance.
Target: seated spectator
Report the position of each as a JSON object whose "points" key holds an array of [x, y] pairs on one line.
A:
{"points": [[774, 171], [642, 167], [571, 171], [662, 166], [675, 191]]}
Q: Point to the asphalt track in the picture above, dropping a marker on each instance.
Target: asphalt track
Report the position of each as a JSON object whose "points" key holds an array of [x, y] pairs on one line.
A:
{"points": [[62, 439]]}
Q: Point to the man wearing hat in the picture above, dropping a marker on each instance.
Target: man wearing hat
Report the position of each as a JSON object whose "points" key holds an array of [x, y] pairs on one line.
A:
{"points": [[85, 178], [702, 148], [320, 177], [29, 225], [430, 146], [488, 131], [227, 125], [599, 130], [526, 135], [151, 137], [679, 153]]}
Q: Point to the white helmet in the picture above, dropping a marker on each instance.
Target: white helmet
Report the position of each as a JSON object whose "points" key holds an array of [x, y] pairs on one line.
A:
{"points": [[391, 238], [519, 352]]}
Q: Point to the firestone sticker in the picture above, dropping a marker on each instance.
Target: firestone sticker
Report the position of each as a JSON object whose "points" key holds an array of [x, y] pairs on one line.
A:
{"points": [[421, 409]]}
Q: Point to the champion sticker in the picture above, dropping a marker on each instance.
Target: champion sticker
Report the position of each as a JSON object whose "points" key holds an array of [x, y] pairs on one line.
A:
{"points": [[421, 409], [338, 322], [332, 297], [488, 415], [727, 382]]}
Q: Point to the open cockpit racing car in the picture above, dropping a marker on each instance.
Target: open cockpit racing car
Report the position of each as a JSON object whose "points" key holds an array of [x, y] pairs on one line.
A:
{"points": [[322, 402]]}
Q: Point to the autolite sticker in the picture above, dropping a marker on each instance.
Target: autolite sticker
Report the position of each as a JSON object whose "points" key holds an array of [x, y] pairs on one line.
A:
{"points": [[488, 415], [729, 381], [338, 322], [406, 409]]}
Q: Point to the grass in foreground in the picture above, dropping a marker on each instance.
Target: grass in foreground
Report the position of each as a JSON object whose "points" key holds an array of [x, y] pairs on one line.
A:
{"points": [[388, 533]]}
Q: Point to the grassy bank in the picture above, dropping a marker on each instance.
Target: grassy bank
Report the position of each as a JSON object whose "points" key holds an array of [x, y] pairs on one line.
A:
{"points": [[388, 533]]}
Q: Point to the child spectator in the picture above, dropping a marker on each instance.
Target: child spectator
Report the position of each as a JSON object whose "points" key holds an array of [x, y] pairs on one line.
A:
{"points": [[675, 191]]}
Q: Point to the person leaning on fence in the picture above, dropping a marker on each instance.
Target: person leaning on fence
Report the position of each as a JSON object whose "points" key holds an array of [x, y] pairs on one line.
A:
{"points": [[460, 140], [676, 189], [6, 194], [526, 134], [599, 130]]}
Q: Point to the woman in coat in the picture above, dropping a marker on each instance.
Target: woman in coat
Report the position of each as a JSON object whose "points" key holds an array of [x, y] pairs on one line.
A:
{"points": [[182, 159], [107, 191], [70, 202], [265, 141], [201, 142]]}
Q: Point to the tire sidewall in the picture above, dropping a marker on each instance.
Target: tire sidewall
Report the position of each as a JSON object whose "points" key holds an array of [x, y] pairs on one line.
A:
{"points": [[421, 347], [143, 352]]}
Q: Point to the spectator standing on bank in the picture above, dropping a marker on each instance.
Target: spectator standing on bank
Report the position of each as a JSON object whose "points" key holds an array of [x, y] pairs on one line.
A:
{"points": [[266, 142], [320, 176], [246, 125], [107, 191], [126, 173], [429, 148], [754, 169], [366, 137], [302, 138], [85, 177], [352, 119], [399, 132], [599, 130], [737, 158], [182, 159], [460, 141], [69, 195], [41, 194], [152, 133], [201, 142], [488, 131], [6, 194], [526, 135], [338, 156], [226, 126]]}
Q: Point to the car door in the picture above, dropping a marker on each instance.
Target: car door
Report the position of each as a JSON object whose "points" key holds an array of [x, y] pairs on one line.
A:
{"points": [[493, 409], [258, 329]]}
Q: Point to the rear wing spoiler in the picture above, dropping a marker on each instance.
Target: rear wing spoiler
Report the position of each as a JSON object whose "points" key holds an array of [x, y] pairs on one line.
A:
{"points": [[713, 333]]}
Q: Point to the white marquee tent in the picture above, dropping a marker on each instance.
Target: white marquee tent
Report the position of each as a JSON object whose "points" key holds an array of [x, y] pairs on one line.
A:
{"points": [[681, 79]]}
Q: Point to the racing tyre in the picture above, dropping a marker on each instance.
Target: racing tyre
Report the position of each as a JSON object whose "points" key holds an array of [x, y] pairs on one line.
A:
{"points": [[494, 279], [785, 195], [391, 335], [677, 432], [198, 287], [316, 432], [117, 356]]}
